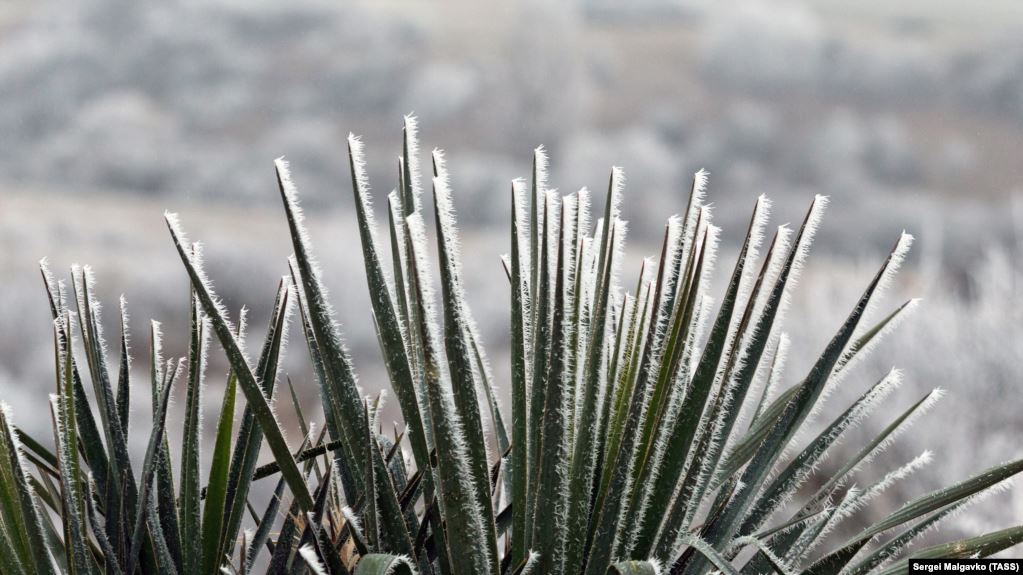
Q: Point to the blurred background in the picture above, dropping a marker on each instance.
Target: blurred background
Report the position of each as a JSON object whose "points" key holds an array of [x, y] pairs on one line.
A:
{"points": [[909, 115]]}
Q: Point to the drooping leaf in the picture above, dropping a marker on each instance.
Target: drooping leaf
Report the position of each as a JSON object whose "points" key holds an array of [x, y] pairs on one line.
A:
{"points": [[792, 476], [897, 543], [634, 568], [981, 546], [380, 564], [803, 401], [913, 509], [704, 549]]}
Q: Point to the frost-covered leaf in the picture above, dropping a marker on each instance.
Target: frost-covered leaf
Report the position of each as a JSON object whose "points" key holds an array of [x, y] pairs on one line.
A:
{"points": [[342, 397], [458, 329], [385, 312], [261, 409], [453, 477], [981, 546], [19, 512], [379, 564]]}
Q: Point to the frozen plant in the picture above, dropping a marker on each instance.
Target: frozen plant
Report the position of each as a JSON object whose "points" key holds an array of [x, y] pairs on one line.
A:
{"points": [[650, 431]]}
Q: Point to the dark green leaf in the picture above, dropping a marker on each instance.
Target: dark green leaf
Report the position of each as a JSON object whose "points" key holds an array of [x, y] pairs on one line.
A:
{"points": [[248, 382]]}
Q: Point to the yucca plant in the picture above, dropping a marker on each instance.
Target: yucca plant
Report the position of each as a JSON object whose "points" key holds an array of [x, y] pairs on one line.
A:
{"points": [[650, 431]]}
